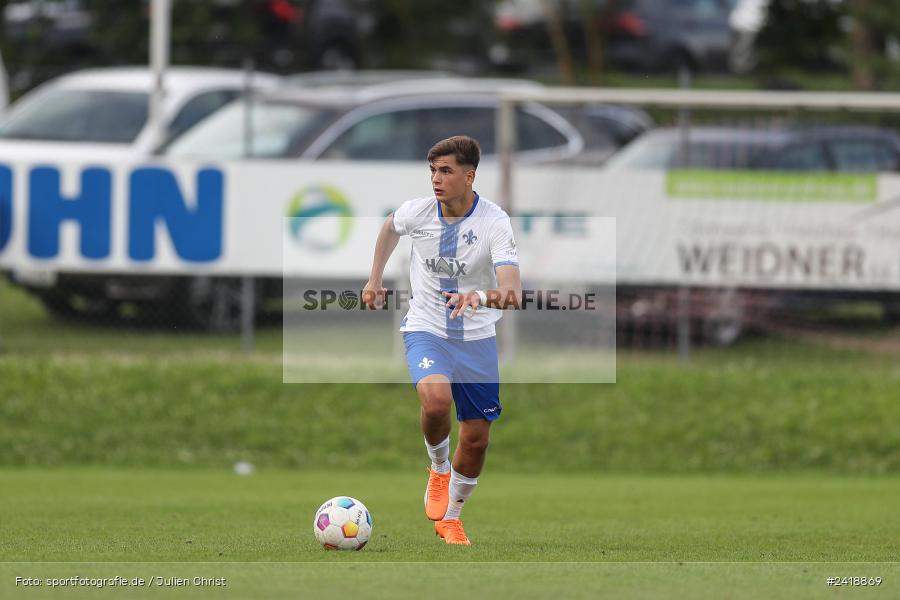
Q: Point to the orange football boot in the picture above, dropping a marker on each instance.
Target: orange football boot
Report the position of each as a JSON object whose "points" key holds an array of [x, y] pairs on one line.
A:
{"points": [[437, 495], [452, 532]]}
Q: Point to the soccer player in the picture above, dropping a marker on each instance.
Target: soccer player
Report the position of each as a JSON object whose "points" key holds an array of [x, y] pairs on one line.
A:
{"points": [[463, 270]]}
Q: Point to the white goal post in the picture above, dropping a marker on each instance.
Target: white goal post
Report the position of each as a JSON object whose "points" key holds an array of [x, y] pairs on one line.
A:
{"points": [[673, 99]]}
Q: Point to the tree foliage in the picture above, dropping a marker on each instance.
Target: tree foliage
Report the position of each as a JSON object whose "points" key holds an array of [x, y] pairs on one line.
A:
{"points": [[861, 37], [800, 35], [415, 34], [873, 46]]}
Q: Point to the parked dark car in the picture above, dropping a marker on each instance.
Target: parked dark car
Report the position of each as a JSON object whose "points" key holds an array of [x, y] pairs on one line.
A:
{"points": [[45, 38], [293, 34], [832, 148], [280, 35], [61, 23], [640, 35]]}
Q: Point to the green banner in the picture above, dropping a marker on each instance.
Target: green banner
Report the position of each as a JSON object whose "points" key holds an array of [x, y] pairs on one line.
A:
{"points": [[771, 185]]}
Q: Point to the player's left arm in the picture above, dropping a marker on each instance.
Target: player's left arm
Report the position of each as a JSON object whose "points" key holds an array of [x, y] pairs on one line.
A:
{"points": [[508, 293]]}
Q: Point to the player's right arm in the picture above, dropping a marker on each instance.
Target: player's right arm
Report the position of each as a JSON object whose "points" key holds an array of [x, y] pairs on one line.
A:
{"points": [[374, 292]]}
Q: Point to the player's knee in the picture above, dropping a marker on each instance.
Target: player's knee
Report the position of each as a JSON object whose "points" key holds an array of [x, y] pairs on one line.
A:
{"points": [[435, 401], [436, 410]]}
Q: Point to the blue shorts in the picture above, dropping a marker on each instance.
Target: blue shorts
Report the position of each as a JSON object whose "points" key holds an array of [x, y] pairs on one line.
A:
{"points": [[471, 368]]}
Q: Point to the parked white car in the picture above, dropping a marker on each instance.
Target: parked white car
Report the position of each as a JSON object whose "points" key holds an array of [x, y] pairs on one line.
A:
{"points": [[102, 113]]}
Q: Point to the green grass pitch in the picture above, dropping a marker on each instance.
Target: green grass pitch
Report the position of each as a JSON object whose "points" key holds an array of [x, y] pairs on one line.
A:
{"points": [[753, 472], [534, 535]]}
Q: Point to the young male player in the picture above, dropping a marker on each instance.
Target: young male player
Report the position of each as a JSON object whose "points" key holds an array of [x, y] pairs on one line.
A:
{"points": [[463, 270]]}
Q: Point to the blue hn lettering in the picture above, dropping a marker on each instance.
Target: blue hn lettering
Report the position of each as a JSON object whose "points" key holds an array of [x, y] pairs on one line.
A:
{"points": [[196, 234], [48, 209], [5, 205]]}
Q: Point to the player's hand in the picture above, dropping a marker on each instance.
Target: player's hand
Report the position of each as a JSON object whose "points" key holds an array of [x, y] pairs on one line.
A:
{"points": [[463, 304], [374, 294]]}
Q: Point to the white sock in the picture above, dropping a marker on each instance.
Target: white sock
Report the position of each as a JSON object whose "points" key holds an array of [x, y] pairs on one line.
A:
{"points": [[461, 488], [439, 456]]}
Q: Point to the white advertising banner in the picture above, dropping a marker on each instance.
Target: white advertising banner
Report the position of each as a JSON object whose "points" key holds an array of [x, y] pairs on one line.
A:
{"points": [[305, 219]]}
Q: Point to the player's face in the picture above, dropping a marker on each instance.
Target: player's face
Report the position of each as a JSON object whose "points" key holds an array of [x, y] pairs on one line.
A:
{"points": [[450, 180]]}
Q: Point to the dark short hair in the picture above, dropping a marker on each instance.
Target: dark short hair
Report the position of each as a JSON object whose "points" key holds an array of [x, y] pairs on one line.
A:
{"points": [[466, 150]]}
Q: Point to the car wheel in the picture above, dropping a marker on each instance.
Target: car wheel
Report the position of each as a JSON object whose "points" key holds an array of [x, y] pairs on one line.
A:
{"points": [[213, 303]]}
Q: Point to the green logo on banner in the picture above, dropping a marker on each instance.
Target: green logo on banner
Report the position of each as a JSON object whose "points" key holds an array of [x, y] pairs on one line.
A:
{"points": [[307, 210]]}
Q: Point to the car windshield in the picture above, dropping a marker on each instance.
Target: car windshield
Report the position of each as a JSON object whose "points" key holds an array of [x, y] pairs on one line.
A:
{"points": [[663, 152], [277, 131], [72, 115]]}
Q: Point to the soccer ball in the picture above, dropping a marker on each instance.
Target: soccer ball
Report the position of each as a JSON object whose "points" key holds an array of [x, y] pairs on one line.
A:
{"points": [[343, 523]]}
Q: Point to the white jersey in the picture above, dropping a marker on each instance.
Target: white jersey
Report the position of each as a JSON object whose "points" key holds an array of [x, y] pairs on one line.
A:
{"points": [[453, 257]]}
